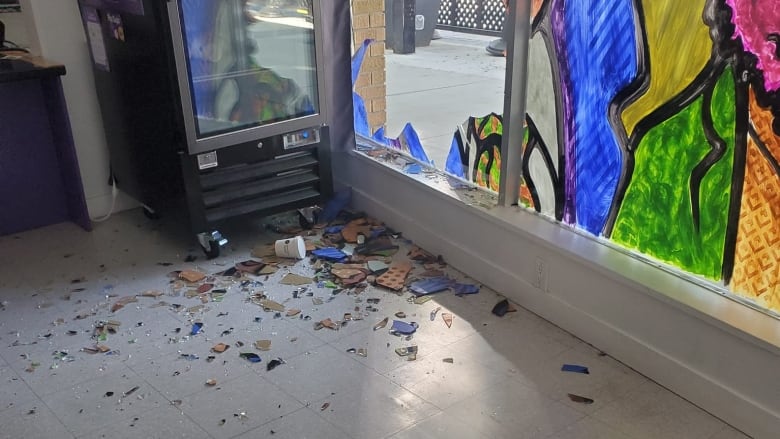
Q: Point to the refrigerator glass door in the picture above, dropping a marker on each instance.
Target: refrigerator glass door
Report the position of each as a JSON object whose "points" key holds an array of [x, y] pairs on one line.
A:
{"points": [[246, 64]]}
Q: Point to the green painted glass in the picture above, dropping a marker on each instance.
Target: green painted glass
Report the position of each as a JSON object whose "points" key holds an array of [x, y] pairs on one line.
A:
{"points": [[656, 216]]}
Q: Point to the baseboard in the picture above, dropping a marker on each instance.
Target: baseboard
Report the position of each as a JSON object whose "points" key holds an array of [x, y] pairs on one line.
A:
{"points": [[99, 205], [707, 363]]}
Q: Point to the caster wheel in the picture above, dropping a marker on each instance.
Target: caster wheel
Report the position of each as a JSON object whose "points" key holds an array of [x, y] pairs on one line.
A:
{"points": [[150, 213], [212, 251], [211, 243]]}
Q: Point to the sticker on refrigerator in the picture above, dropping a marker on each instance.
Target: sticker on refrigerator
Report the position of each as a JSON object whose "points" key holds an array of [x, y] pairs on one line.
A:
{"points": [[95, 36], [115, 26], [207, 160]]}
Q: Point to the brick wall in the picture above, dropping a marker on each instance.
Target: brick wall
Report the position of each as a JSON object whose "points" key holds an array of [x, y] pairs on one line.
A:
{"points": [[368, 21]]}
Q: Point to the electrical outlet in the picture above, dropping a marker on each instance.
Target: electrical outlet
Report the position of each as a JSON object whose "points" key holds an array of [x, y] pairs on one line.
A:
{"points": [[541, 275]]}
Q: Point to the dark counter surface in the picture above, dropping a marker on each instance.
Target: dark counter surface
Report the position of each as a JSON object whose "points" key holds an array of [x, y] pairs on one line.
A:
{"points": [[16, 65]]}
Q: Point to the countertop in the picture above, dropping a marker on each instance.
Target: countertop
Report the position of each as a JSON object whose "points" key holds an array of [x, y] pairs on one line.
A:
{"points": [[17, 65]]}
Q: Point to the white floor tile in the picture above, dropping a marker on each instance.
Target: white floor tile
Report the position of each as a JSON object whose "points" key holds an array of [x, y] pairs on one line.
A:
{"points": [[32, 420], [510, 409], [651, 411], [320, 373], [375, 409], [729, 432], [440, 425], [301, 424], [98, 402], [237, 406], [504, 382], [445, 384], [589, 428], [163, 422], [15, 390]]}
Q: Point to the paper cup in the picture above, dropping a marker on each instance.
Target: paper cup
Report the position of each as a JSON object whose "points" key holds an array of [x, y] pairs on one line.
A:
{"points": [[290, 248]]}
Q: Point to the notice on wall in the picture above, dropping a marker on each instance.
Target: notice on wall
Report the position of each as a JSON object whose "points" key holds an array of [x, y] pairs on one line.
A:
{"points": [[115, 26], [97, 46]]}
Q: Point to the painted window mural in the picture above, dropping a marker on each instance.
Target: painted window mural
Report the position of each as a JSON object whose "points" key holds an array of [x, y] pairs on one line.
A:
{"points": [[656, 124]]}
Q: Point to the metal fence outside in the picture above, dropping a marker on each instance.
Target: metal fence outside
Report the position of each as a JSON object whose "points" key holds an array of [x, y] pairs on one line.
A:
{"points": [[472, 16]]}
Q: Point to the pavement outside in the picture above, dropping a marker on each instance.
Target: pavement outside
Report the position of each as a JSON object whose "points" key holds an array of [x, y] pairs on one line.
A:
{"points": [[439, 86]]}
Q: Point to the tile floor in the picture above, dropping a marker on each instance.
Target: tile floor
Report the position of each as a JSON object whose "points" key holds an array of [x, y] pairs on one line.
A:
{"points": [[504, 382]]}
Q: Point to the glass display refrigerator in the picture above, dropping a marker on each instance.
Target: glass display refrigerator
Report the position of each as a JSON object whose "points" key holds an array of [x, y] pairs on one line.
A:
{"points": [[214, 106]]}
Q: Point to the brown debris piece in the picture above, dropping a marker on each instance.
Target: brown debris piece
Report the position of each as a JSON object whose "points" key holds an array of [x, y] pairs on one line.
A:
{"points": [[381, 324], [195, 309], [268, 269], [354, 280], [432, 273], [263, 251], [346, 273], [325, 406], [192, 276], [330, 324], [250, 266], [279, 262], [271, 305], [293, 312], [152, 293], [220, 348], [204, 288], [447, 317], [395, 277], [263, 345], [310, 246], [295, 279], [211, 382], [355, 228], [119, 304], [341, 266], [418, 254]]}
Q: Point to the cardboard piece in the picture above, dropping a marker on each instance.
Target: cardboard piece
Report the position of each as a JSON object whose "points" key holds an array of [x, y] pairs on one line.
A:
{"points": [[191, 276], [151, 293], [295, 279], [220, 348], [293, 312], [263, 345], [262, 251], [270, 305], [447, 317], [120, 303], [250, 266], [395, 277], [346, 273], [268, 269]]}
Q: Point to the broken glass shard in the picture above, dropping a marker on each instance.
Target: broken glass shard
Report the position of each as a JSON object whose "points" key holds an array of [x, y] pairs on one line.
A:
{"points": [[273, 363], [381, 324], [250, 356], [580, 399], [575, 368], [404, 328]]}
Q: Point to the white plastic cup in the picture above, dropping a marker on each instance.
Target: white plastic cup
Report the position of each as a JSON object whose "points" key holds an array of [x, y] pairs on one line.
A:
{"points": [[290, 248]]}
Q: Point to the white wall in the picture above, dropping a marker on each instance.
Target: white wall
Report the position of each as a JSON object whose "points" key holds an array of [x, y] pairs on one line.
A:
{"points": [[55, 27], [709, 349], [16, 28]]}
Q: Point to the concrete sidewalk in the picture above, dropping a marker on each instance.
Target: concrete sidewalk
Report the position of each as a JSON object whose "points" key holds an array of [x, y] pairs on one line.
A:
{"points": [[440, 86]]}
